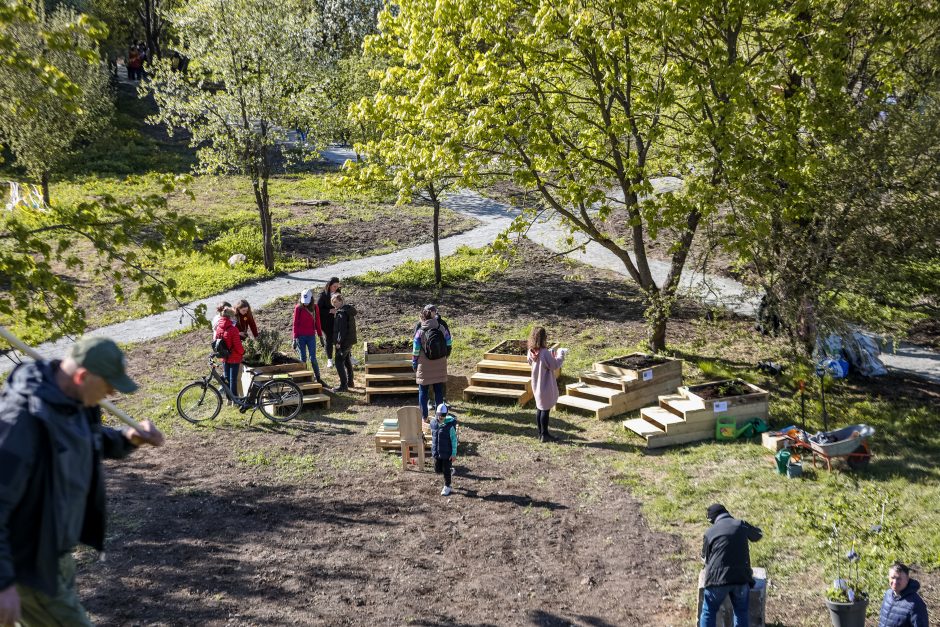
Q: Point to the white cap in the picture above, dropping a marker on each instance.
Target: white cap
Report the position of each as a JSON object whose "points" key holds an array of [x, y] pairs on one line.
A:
{"points": [[442, 409], [306, 296]]}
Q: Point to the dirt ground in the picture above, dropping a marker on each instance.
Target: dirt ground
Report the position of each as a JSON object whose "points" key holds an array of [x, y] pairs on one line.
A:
{"points": [[306, 524]]}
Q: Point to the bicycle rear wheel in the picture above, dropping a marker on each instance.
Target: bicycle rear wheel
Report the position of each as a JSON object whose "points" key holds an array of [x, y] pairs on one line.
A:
{"points": [[280, 401], [198, 402]]}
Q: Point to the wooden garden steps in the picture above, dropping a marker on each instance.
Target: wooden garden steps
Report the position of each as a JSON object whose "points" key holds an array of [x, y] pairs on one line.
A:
{"points": [[502, 373], [611, 389], [685, 417], [313, 399], [388, 373]]}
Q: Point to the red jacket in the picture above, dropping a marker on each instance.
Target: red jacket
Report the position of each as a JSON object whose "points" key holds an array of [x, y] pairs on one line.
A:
{"points": [[247, 322], [306, 323], [227, 329]]}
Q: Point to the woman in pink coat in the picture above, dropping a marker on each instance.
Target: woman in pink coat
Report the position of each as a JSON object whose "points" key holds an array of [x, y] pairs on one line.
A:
{"points": [[544, 384]]}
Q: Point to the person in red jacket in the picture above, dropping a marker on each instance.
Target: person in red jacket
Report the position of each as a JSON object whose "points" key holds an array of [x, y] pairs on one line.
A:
{"points": [[245, 320], [229, 331], [307, 329]]}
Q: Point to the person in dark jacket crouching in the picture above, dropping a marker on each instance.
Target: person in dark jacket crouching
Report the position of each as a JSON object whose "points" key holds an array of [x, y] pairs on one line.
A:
{"points": [[727, 559], [51, 482], [902, 605]]}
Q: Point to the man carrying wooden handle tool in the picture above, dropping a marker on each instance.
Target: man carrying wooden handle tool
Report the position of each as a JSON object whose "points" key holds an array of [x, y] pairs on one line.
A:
{"points": [[51, 483]]}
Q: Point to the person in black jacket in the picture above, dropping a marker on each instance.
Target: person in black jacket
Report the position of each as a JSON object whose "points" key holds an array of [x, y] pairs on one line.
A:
{"points": [[902, 605], [727, 559], [52, 493], [327, 312], [344, 336]]}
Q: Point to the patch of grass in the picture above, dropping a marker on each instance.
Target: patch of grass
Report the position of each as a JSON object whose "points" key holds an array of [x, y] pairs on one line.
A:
{"points": [[465, 265], [286, 465]]}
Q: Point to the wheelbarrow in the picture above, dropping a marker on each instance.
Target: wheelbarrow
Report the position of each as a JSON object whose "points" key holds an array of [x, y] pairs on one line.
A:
{"points": [[849, 443]]}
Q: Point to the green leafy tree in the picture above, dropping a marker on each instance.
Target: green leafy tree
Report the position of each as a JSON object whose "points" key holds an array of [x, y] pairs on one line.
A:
{"points": [[256, 72], [578, 101], [831, 192], [40, 244], [42, 128]]}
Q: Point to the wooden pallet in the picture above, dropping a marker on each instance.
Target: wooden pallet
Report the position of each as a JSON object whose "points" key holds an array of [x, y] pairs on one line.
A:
{"points": [[684, 417], [608, 390], [388, 374], [500, 375], [313, 392]]}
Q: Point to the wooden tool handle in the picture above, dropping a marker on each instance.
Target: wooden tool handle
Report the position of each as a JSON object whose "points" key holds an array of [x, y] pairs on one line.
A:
{"points": [[26, 349]]}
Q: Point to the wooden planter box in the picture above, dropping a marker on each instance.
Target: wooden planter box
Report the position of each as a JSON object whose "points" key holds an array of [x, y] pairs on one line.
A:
{"points": [[388, 370], [692, 414], [312, 391], [504, 373], [623, 384]]}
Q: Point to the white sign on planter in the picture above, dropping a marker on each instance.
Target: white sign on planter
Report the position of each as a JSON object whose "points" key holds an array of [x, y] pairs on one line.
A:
{"points": [[648, 375], [720, 406]]}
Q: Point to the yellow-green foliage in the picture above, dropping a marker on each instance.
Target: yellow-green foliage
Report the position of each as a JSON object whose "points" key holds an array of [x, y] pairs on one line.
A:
{"points": [[467, 264]]}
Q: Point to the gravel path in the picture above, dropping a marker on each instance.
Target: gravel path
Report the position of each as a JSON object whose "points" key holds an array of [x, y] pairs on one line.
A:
{"points": [[495, 217]]}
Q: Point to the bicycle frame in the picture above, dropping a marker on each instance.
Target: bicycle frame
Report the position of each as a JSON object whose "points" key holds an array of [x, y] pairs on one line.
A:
{"points": [[243, 402]]}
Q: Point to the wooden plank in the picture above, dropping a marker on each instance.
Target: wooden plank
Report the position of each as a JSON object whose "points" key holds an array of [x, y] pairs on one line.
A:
{"points": [[371, 359], [642, 427], [504, 365], [480, 390], [493, 377], [312, 387], [388, 365], [681, 438], [390, 376], [582, 403], [584, 390], [666, 421], [312, 399]]}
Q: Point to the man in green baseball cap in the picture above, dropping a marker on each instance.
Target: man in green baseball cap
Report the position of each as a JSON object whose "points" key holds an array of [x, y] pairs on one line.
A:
{"points": [[51, 446]]}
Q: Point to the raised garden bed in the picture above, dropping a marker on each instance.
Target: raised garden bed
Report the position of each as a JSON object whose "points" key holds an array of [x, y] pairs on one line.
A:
{"points": [[388, 347], [640, 366], [509, 350], [728, 389]]}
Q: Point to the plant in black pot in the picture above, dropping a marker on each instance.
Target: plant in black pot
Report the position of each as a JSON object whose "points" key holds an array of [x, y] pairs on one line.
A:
{"points": [[858, 540]]}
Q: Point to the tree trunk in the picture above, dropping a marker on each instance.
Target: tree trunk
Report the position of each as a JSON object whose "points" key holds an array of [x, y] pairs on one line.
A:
{"points": [[267, 228], [44, 183], [657, 316], [438, 278], [657, 335]]}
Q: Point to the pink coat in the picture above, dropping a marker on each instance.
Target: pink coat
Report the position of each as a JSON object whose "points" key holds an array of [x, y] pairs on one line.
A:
{"points": [[544, 384]]}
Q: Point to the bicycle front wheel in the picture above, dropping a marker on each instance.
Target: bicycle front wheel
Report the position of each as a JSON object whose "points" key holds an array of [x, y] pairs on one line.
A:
{"points": [[280, 401], [198, 402]]}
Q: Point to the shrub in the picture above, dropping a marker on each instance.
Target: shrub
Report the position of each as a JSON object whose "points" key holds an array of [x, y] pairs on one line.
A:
{"points": [[260, 350]]}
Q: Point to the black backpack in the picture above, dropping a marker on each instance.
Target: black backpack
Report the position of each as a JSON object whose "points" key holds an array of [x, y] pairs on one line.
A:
{"points": [[434, 344], [220, 348]]}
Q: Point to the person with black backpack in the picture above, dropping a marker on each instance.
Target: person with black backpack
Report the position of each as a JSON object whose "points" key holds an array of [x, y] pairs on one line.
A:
{"points": [[430, 348]]}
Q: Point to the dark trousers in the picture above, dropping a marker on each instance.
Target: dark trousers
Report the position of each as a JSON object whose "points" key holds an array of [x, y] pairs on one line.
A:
{"points": [[330, 341], [541, 419], [444, 466], [344, 367], [424, 393], [231, 375]]}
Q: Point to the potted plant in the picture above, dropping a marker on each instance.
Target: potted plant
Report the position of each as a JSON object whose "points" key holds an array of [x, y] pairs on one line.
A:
{"points": [[852, 527]]}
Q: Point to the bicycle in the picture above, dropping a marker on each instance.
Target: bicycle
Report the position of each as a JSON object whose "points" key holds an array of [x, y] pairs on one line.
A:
{"points": [[278, 400]]}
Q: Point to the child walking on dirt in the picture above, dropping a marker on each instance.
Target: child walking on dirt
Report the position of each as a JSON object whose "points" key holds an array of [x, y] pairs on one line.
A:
{"points": [[444, 445], [544, 363]]}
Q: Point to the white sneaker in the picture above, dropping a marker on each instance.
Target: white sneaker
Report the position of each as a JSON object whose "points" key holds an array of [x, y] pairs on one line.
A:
{"points": [[446, 491], [329, 363]]}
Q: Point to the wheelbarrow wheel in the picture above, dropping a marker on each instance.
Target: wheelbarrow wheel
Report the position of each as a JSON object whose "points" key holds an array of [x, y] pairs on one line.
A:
{"points": [[859, 458]]}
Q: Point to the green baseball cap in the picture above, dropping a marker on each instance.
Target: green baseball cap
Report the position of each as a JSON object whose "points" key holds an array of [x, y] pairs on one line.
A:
{"points": [[101, 356]]}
